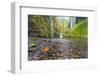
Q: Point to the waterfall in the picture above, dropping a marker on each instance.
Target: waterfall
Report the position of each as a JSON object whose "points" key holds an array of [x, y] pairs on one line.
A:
{"points": [[61, 36], [72, 21]]}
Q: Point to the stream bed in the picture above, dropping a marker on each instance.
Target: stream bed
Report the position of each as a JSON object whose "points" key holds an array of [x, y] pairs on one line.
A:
{"points": [[54, 48]]}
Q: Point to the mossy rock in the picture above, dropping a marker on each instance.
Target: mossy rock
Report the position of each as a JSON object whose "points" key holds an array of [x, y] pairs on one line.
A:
{"points": [[34, 38], [34, 45]]}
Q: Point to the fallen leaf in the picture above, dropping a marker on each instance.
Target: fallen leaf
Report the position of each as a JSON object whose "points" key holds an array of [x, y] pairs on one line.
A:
{"points": [[46, 49]]}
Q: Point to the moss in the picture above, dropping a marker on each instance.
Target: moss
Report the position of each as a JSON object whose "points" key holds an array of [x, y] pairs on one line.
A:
{"points": [[33, 44], [34, 38]]}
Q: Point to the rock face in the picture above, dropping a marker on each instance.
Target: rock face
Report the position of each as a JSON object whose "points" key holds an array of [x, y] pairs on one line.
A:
{"points": [[51, 49]]}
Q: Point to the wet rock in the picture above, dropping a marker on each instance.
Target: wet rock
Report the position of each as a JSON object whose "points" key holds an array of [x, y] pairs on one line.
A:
{"points": [[75, 54], [49, 49]]}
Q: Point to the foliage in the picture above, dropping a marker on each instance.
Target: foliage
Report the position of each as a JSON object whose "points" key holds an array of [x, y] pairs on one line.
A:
{"points": [[60, 25], [48, 27], [42, 24], [80, 30]]}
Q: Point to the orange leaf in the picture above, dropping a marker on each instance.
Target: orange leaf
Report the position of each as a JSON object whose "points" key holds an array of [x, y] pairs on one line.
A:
{"points": [[46, 49]]}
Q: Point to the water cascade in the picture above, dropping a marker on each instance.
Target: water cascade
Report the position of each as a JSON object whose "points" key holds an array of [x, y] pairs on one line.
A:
{"points": [[72, 21]]}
